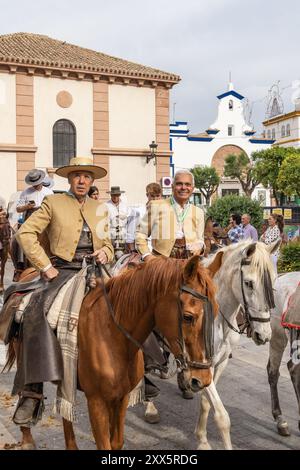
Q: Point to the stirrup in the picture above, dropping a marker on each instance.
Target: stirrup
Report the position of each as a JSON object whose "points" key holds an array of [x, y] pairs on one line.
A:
{"points": [[38, 410]]}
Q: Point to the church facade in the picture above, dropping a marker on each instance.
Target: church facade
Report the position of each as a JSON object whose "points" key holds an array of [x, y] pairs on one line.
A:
{"points": [[58, 100], [228, 134]]}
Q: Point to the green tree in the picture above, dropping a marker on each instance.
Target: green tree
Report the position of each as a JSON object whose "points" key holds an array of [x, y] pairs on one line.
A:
{"points": [[221, 209], [267, 167], [289, 175], [207, 181], [240, 167]]}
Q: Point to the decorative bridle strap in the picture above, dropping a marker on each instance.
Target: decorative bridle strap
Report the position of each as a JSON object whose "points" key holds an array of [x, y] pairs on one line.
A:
{"points": [[194, 293], [185, 363], [249, 318]]}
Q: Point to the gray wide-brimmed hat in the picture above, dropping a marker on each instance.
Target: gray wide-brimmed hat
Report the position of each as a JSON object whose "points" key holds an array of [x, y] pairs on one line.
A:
{"points": [[48, 182], [114, 190], [35, 177]]}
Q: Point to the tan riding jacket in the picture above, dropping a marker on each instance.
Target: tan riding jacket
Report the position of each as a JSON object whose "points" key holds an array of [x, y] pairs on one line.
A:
{"points": [[61, 217], [160, 223]]}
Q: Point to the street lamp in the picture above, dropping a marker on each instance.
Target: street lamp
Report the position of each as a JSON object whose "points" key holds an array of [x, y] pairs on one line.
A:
{"points": [[153, 146]]}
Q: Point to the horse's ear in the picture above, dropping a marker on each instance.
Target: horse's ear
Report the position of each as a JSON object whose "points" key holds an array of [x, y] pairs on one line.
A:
{"points": [[249, 250], [191, 268], [216, 263], [274, 246]]}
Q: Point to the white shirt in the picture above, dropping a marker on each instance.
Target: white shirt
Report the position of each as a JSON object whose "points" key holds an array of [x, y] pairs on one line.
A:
{"points": [[179, 211], [123, 218], [31, 194]]}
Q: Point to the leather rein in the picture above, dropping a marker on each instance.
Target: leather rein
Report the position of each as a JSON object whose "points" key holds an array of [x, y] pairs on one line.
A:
{"points": [[182, 361]]}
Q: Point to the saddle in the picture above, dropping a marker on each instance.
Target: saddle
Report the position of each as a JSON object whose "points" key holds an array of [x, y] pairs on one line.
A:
{"points": [[13, 297], [291, 316]]}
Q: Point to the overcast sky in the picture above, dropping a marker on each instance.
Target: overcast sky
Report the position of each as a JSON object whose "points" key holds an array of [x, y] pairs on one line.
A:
{"points": [[199, 40]]}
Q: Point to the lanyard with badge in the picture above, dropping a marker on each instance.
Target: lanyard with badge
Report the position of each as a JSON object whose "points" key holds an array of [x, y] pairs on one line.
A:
{"points": [[180, 217]]}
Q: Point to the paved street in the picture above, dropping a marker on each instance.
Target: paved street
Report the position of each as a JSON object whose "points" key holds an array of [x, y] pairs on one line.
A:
{"points": [[243, 388]]}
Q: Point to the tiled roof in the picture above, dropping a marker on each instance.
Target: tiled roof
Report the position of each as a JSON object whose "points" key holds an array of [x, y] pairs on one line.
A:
{"points": [[43, 51]]}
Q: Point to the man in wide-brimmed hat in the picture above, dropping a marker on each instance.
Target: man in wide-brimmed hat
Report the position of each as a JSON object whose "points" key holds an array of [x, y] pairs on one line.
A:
{"points": [[77, 230], [121, 222], [29, 201]]}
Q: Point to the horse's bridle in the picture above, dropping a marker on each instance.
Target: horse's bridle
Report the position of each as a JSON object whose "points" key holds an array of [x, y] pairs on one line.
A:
{"points": [[208, 332], [182, 360], [248, 317]]}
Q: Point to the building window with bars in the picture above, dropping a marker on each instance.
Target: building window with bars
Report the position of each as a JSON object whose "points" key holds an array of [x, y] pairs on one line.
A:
{"points": [[282, 131], [288, 130], [64, 142], [231, 130]]}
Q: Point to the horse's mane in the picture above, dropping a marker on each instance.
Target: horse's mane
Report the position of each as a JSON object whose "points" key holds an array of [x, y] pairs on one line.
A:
{"points": [[260, 261], [133, 290]]}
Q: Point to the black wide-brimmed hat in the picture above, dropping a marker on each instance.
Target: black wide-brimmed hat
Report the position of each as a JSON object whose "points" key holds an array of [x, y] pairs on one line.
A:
{"points": [[114, 190], [35, 177]]}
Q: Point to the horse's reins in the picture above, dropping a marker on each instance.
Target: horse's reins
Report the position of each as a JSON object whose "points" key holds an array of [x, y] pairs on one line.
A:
{"points": [[154, 364], [182, 362], [248, 317]]}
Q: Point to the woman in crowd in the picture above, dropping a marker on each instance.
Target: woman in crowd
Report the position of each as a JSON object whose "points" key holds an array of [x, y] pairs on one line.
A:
{"points": [[273, 232], [94, 193]]}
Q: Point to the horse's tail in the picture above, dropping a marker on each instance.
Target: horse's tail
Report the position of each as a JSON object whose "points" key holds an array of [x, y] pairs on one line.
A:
{"points": [[10, 356]]}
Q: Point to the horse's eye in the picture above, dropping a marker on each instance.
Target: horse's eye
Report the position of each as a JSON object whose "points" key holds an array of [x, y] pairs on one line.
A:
{"points": [[188, 318], [249, 284]]}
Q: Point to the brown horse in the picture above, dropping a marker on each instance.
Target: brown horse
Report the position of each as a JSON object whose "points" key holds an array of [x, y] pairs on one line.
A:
{"points": [[214, 237], [5, 235], [167, 293]]}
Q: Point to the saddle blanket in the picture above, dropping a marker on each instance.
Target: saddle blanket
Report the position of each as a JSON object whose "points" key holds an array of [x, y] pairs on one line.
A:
{"points": [[291, 316]]}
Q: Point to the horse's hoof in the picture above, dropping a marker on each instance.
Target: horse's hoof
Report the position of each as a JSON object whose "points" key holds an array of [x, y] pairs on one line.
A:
{"points": [[283, 429], [204, 446], [28, 446], [152, 419]]}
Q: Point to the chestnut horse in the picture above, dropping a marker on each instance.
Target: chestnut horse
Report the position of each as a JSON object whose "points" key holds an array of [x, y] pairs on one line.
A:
{"points": [[5, 235], [176, 296]]}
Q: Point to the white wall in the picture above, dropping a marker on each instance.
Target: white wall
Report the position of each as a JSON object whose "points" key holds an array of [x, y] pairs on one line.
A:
{"points": [[132, 174], [47, 112], [234, 116], [8, 172], [131, 116], [187, 153], [7, 108]]}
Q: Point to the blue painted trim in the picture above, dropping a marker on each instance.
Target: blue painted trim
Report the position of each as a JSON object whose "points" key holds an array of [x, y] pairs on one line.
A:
{"points": [[249, 132], [200, 139], [233, 93], [212, 131], [179, 123], [171, 144], [174, 131], [261, 141]]}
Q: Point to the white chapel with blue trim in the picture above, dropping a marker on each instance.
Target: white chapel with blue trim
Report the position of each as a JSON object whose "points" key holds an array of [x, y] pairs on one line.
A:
{"points": [[229, 134]]}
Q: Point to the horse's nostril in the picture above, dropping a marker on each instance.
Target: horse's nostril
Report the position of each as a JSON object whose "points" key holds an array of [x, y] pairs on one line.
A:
{"points": [[196, 385]]}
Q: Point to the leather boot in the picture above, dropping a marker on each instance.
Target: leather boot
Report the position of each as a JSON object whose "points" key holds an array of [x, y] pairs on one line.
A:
{"points": [[30, 405]]}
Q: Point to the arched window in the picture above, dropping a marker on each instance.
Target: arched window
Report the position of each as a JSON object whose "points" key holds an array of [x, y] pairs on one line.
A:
{"points": [[273, 134], [282, 131], [288, 129], [269, 134], [230, 105], [64, 142]]}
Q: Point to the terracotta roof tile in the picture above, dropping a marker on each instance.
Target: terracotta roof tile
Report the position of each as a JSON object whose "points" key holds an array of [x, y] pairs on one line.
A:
{"points": [[36, 49]]}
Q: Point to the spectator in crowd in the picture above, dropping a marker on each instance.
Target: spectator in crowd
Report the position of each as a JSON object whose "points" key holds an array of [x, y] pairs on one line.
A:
{"points": [[121, 222], [94, 193], [30, 200], [236, 232], [273, 233], [249, 230]]}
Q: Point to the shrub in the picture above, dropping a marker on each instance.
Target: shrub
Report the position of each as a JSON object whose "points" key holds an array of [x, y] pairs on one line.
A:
{"points": [[289, 259], [221, 209]]}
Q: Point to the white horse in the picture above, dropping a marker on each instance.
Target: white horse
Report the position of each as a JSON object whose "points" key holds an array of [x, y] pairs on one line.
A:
{"points": [[285, 286], [244, 280]]}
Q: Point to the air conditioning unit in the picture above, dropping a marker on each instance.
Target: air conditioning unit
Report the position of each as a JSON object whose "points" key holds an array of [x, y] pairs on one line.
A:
{"points": [[166, 182]]}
